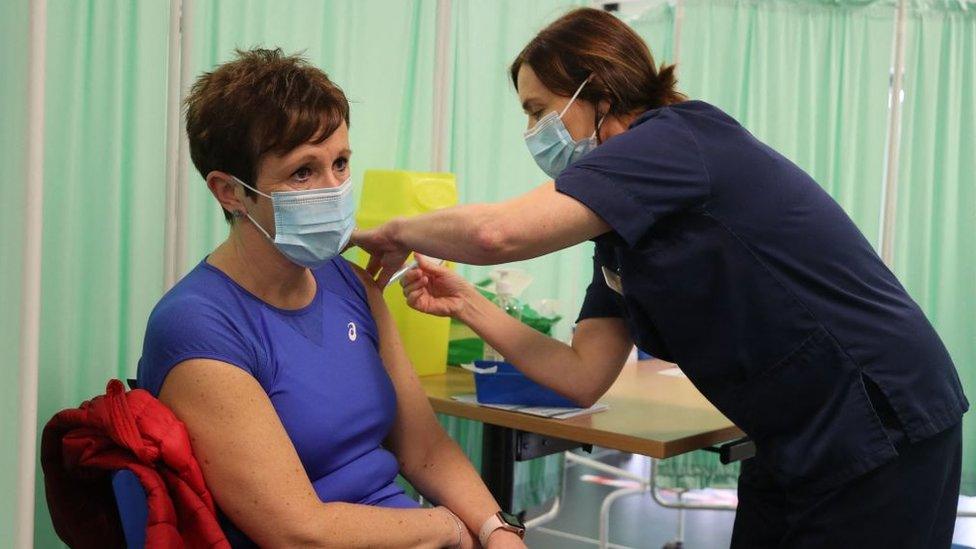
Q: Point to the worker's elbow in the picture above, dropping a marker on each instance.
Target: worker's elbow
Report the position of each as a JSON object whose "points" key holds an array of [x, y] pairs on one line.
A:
{"points": [[493, 242], [585, 400], [587, 396]]}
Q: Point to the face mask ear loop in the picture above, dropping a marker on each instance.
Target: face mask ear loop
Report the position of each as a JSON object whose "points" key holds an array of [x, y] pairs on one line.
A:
{"points": [[258, 225], [247, 214], [575, 95], [250, 187], [598, 124]]}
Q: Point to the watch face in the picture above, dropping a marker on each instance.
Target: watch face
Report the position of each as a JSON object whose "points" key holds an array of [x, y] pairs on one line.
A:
{"points": [[511, 520]]}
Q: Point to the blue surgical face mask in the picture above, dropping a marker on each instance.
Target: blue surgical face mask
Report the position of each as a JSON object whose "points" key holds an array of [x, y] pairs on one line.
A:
{"points": [[312, 226], [550, 143]]}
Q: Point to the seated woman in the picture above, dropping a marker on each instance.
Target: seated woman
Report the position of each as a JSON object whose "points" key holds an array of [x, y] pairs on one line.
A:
{"points": [[280, 357]]}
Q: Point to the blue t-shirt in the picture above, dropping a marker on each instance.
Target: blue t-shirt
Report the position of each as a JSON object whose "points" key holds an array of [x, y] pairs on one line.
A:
{"points": [[319, 365], [734, 263]]}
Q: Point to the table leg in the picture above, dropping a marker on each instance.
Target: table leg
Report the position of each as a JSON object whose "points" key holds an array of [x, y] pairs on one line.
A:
{"points": [[498, 464]]}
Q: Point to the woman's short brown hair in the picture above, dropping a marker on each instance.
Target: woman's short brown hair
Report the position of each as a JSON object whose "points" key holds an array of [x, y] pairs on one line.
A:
{"points": [[590, 42], [262, 101]]}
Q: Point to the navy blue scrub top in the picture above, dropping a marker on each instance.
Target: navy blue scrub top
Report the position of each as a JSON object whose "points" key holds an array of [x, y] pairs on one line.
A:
{"points": [[735, 264]]}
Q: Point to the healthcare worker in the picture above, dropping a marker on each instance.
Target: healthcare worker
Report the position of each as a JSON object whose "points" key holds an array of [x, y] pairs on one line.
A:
{"points": [[716, 252]]}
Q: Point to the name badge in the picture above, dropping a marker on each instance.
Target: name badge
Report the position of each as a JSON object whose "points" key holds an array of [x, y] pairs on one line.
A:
{"points": [[613, 280]]}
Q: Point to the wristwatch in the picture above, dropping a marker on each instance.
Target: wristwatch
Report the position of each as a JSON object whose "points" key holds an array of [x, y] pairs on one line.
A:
{"points": [[501, 520]]}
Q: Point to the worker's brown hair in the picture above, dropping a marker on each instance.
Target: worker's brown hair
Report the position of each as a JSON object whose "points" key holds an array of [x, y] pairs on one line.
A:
{"points": [[262, 101], [590, 42]]}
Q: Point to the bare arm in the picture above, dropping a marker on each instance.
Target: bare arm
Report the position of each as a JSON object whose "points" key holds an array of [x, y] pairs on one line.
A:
{"points": [[428, 458], [582, 371], [536, 223], [256, 476]]}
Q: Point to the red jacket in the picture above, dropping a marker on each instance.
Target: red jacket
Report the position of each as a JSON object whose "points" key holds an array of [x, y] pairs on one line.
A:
{"points": [[80, 448]]}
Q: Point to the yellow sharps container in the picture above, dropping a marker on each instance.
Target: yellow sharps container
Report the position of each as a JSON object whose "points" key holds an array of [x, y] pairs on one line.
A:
{"points": [[388, 194]]}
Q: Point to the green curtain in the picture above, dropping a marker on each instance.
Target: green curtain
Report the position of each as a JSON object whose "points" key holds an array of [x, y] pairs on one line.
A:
{"points": [[656, 25], [935, 237], [104, 183], [13, 151]]}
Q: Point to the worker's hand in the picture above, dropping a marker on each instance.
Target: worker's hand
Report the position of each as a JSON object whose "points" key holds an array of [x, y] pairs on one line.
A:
{"points": [[386, 255], [435, 289], [503, 539]]}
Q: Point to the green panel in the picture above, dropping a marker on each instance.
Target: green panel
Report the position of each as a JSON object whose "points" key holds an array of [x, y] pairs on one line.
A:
{"points": [[104, 190], [935, 250], [13, 152], [655, 24], [697, 470]]}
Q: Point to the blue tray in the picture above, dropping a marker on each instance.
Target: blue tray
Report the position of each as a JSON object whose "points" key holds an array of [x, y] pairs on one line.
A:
{"points": [[509, 386]]}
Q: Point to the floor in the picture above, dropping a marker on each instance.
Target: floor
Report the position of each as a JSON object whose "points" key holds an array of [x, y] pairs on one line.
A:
{"points": [[638, 522]]}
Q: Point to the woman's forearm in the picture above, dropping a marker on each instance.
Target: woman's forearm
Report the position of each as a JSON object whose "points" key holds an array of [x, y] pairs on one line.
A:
{"points": [[347, 525], [446, 476], [543, 359]]}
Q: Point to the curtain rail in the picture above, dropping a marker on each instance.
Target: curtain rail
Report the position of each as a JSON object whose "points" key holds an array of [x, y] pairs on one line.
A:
{"points": [[889, 190], [30, 304], [441, 81]]}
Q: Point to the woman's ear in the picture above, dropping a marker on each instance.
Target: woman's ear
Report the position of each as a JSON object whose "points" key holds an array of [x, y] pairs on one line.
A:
{"points": [[224, 188]]}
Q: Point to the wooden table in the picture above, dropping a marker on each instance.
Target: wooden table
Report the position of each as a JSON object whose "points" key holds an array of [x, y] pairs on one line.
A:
{"points": [[650, 413]]}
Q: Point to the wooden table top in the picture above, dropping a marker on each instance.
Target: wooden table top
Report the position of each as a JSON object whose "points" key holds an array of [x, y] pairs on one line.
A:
{"points": [[650, 413]]}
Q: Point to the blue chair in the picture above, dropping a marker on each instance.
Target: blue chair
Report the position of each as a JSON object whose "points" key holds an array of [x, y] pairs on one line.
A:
{"points": [[130, 498]]}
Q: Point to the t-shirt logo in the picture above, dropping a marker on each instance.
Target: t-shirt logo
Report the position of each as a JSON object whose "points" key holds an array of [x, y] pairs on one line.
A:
{"points": [[352, 332]]}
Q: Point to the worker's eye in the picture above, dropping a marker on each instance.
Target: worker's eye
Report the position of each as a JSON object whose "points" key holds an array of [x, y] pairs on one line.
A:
{"points": [[341, 164]]}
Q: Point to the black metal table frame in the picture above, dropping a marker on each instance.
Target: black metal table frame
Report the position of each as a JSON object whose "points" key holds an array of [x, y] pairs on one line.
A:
{"points": [[502, 447]]}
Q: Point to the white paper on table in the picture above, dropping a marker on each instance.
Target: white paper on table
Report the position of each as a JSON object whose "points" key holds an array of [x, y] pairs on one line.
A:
{"points": [[672, 372], [541, 411], [476, 370]]}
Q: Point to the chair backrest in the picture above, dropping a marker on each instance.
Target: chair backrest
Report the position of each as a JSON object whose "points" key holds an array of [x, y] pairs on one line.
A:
{"points": [[130, 498]]}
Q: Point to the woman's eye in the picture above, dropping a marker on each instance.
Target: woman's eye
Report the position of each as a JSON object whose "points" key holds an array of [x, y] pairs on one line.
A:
{"points": [[303, 174], [341, 164]]}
